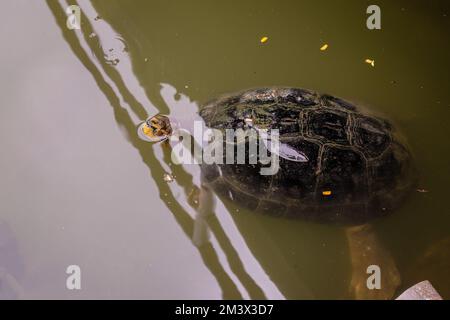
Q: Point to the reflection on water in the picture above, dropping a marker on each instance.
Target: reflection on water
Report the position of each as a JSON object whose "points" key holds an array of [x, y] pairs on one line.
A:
{"points": [[11, 264], [150, 57], [188, 224]]}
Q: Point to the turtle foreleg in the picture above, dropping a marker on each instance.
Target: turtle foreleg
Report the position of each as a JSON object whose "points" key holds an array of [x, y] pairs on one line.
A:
{"points": [[205, 208], [367, 258]]}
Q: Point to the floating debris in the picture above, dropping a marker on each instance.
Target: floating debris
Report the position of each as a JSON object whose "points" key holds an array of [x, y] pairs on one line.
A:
{"points": [[422, 190], [168, 177], [113, 62], [264, 39], [326, 193], [371, 62], [324, 47], [146, 60], [92, 35]]}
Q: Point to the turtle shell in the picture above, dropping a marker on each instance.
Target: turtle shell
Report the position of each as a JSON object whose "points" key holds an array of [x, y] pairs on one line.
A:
{"points": [[358, 168]]}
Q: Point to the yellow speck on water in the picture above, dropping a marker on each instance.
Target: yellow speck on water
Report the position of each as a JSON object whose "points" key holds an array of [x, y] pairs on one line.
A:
{"points": [[264, 39], [371, 62], [326, 193], [324, 47]]}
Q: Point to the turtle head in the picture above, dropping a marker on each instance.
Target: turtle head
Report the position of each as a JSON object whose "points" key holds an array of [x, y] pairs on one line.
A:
{"points": [[155, 129]]}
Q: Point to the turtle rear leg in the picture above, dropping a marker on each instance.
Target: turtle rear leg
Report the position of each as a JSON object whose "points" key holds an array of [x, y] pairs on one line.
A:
{"points": [[365, 250]]}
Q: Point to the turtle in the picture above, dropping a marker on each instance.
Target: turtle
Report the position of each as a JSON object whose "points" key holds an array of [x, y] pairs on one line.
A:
{"points": [[338, 163]]}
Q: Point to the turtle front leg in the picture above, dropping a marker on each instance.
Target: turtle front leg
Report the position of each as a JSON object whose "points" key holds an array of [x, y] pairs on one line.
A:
{"points": [[204, 201], [365, 250]]}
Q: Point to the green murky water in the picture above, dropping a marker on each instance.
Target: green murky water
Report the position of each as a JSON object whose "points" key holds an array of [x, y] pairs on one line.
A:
{"points": [[78, 186]]}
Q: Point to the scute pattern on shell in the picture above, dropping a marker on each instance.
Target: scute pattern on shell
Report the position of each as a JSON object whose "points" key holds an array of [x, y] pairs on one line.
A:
{"points": [[359, 157]]}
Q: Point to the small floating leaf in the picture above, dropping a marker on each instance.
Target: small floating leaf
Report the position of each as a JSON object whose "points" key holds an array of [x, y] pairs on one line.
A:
{"points": [[324, 47], [264, 39], [371, 62]]}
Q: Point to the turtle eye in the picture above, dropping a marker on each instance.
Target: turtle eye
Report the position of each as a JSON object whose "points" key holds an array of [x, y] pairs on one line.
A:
{"points": [[153, 123]]}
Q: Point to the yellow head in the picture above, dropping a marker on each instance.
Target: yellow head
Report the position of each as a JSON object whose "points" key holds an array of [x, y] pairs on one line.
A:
{"points": [[156, 128]]}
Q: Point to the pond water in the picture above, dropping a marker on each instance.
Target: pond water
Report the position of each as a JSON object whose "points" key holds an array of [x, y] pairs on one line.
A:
{"points": [[78, 187]]}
